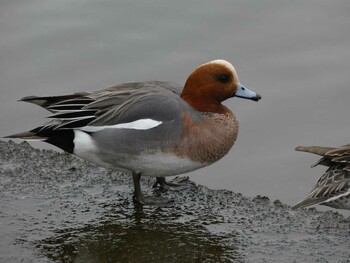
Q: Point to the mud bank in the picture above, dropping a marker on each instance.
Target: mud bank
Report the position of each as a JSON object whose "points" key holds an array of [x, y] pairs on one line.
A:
{"points": [[57, 208]]}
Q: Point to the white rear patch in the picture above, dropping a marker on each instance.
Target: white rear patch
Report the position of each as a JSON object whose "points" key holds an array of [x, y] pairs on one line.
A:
{"points": [[142, 124], [84, 146]]}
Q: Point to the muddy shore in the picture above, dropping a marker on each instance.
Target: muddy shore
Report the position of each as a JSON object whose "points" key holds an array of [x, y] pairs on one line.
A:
{"points": [[57, 208]]}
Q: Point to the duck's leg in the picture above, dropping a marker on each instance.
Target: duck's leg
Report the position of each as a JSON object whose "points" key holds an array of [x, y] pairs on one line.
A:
{"points": [[146, 200], [177, 184]]}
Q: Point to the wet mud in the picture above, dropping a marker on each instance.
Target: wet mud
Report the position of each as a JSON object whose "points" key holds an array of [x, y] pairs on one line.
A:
{"points": [[57, 208]]}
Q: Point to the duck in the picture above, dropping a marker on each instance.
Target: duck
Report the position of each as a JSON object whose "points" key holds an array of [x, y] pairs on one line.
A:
{"points": [[333, 187], [151, 128]]}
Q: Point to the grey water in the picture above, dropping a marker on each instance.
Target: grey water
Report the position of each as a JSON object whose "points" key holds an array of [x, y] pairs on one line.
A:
{"points": [[294, 53]]}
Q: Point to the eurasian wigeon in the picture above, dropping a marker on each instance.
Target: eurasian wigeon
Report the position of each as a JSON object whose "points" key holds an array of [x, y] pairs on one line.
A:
{"points": [[149, 128], [333, 188]]}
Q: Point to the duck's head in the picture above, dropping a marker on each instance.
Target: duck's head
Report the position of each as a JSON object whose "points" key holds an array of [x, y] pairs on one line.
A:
{"points": [[213, 82]]}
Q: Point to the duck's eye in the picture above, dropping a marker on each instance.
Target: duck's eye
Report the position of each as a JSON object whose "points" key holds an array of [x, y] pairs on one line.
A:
{"points": [[224, 78]]}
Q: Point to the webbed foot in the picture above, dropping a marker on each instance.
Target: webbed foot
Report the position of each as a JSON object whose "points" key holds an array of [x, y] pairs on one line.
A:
{"points": [[177, 184], [147, 200]]}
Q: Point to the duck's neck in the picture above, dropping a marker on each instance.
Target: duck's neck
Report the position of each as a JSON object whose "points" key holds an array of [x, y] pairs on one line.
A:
{"points": [[203, 97], [206, 105]]}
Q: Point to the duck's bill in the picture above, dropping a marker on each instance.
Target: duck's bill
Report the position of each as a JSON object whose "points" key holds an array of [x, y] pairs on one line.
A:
{"points": [[244, 93]]}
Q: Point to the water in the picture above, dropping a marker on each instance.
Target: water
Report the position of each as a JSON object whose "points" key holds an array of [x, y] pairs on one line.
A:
{"points": [[294, 53], [57, 208]]}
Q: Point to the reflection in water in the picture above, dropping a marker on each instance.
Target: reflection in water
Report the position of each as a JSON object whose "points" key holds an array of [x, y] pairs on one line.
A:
{"points": [[54, 207], [141, 237], [71, 211]]}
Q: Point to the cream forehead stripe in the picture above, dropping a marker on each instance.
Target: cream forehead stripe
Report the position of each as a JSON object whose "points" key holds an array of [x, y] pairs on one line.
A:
{"points": [[142, 124], [224, 63]]}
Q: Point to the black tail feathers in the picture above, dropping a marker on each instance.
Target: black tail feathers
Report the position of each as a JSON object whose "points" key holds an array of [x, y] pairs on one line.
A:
{"points": [[62, 139]]}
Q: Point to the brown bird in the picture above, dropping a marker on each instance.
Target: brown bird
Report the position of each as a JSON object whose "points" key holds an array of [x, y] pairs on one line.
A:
{"points": [[333, 188]]}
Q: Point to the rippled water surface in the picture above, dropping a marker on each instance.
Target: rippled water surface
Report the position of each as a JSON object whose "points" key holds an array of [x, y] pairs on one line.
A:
{"points": [[294, 53]]}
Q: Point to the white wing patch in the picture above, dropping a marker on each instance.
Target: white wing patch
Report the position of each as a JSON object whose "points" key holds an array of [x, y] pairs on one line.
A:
{"points": [[142, 124]]}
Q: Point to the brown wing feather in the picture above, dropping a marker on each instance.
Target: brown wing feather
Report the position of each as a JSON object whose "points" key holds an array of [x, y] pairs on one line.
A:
{"points": [[335, 181]]}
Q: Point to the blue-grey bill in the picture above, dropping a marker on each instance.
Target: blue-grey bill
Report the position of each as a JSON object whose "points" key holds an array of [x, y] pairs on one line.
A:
{"points": [[243, 92]]}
